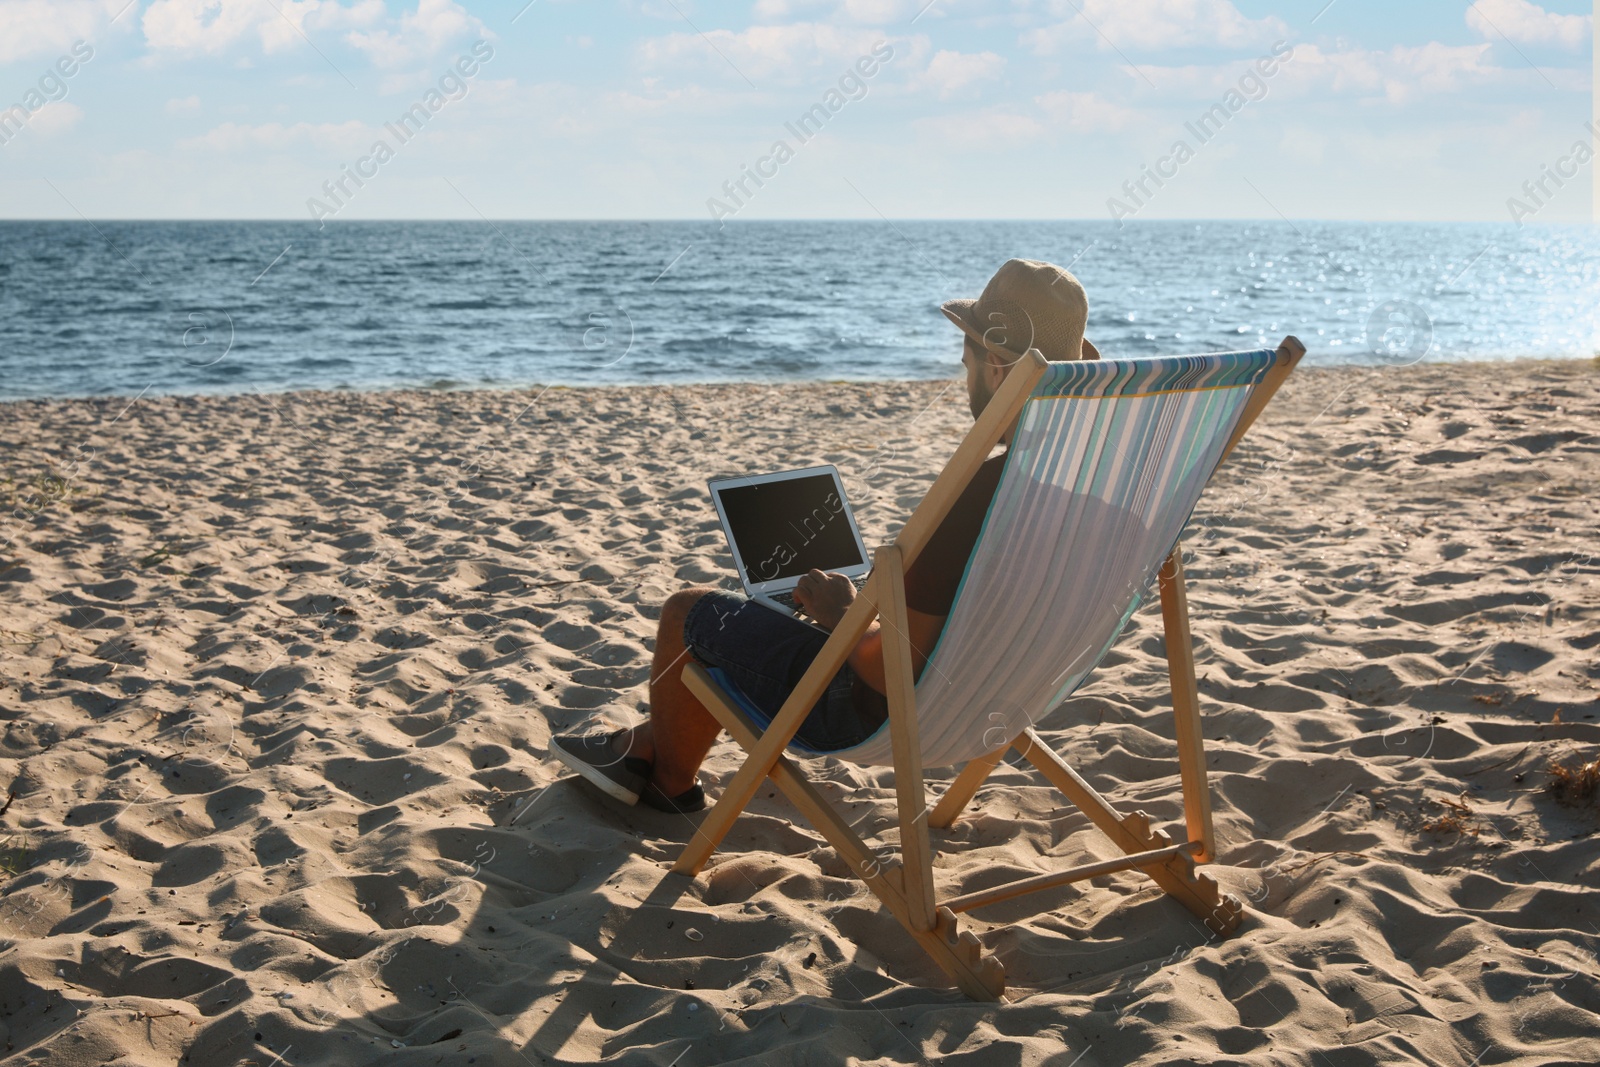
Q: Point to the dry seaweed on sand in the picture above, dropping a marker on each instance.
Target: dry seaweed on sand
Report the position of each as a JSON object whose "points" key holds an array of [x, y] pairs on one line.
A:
{"points": [[1575, 785], [1456, 819]]}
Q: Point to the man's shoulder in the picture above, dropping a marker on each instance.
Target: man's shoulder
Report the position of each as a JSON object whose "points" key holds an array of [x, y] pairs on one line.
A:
{"points": [[991, 467], [981, 488]]}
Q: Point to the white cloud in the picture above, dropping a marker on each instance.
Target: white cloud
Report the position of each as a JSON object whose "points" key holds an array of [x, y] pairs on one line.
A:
{"points": [[1436, 67], [40, 27], [1084, 112], [1308, 67], [274, 136], [200, 25], [423, 33], [1524, 23], [948, 73], [185, 105], [56, 117], [1353, 71], [868, 12], [1400, 74], [764, 53], [1152, 25], [1397, 75], [314, 16], [215, 25]]}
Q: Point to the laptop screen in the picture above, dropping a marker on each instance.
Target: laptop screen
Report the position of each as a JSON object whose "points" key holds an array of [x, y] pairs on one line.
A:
{"points": [[784, 528]]}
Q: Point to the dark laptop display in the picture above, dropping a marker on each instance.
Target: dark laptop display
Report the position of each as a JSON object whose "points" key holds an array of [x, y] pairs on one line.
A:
{"points": [[782, 529]]}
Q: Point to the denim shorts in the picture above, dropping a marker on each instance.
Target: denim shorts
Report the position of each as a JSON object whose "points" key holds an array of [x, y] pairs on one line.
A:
{"points": [[763, 654]]}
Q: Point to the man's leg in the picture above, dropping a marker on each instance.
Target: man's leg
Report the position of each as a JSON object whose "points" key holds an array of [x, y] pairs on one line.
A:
{"points": [[681, 731]]}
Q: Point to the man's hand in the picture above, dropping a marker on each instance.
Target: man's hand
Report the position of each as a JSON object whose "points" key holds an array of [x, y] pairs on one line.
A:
{"points": [[825, 597]]}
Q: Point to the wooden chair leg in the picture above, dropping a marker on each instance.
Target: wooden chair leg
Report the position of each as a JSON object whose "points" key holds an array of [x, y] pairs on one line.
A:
{"points": [[964, 788], [916, 855], [1133, 833], [1186, 708], [958, 953]]}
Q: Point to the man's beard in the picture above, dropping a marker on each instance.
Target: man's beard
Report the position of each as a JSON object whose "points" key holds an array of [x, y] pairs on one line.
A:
{"points": [[981, 395]]}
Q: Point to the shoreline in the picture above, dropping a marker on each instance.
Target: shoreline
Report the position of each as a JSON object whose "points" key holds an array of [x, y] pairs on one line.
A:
{"points": [[1530, 362]]}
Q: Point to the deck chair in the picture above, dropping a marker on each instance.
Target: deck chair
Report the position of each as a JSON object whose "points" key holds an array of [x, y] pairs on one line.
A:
{"points": [[1105, 466]]}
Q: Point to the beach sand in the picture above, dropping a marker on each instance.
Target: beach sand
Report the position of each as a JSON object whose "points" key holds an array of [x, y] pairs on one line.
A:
{"points": [[279, 670]]}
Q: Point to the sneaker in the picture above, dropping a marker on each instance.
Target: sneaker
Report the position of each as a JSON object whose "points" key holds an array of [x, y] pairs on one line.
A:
{"points": [[687, 802], [620, 777]]}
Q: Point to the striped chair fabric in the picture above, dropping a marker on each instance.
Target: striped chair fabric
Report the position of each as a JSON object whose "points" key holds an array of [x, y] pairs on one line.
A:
{"points": [[1109, 460]]}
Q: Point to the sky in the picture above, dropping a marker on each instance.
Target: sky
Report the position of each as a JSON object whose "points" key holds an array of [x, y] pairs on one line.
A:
{"points": [[691, 109]]}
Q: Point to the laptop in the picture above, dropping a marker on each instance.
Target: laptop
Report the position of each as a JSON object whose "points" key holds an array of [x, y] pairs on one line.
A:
{"points": [[781, 525]]}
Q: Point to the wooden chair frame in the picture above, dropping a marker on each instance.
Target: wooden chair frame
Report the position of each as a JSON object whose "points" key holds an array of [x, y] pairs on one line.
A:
{"points": [[908, 890]]}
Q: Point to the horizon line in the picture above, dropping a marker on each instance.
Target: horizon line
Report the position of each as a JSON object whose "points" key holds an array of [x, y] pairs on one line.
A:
{"points": [[1118, 223]]}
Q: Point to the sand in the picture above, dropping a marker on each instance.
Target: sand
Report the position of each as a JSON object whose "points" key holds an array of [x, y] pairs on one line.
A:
{"points": [[279, 670]]}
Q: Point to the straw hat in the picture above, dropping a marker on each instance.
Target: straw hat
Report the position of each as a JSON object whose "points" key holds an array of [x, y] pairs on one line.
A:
{"points": [[1026, 305]]}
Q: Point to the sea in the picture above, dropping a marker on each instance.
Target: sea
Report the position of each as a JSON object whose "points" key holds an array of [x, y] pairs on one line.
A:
{"points": [[125, 308]]}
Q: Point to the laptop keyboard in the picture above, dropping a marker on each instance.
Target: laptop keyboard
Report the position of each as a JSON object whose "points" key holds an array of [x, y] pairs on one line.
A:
{"points": [[787, 598]]}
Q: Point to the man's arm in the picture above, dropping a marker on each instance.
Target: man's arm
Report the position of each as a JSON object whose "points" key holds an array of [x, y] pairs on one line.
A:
{"points": [[826, 597], [867, 659]]}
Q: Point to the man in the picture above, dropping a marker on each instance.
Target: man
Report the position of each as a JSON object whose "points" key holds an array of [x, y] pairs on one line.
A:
{"points": [[1026, 305]]}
